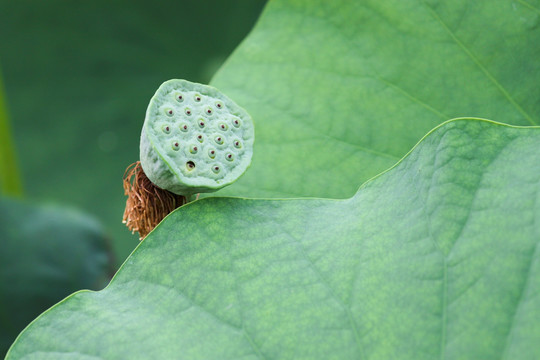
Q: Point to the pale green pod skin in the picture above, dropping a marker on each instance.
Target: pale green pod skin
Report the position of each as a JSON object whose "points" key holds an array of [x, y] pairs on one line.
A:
{"points": [[183, 156]]}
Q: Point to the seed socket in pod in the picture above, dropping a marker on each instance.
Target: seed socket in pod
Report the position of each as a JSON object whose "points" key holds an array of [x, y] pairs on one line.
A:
{"points": [[177, 108]]}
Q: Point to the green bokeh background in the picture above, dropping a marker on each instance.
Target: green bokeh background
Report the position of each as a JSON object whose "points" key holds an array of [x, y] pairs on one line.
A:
{"points": [[78, 76]]}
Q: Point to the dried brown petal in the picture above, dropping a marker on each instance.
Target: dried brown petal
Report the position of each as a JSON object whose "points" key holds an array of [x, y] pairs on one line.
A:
{"points": [[146, 204]]}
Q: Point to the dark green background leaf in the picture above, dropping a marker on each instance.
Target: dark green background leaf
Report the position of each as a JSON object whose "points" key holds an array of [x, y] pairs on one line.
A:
{"points": [[436, 258], [340, 90], [46, 253]]}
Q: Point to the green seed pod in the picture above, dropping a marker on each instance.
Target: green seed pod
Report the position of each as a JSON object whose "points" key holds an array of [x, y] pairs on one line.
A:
{"points": [[174, 154]]}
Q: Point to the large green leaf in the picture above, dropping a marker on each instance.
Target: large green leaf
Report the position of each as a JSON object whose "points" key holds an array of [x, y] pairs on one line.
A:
{"points": [[340, 90], [436, 258], [46, 253]]}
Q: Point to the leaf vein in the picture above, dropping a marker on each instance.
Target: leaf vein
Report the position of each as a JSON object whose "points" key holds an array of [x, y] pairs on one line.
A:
{"points": [[524, 3], [324, 282], [413, 98], [243, 329], [497, 84], [438, 247], [522, 295]]}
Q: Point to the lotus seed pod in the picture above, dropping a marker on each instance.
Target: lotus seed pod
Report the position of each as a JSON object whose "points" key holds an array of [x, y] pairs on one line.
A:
{"points": [[194, 139]]}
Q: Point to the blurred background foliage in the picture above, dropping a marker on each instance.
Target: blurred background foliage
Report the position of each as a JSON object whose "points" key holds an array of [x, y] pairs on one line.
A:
{"points": [[10, 181], [46, 253], [78, 76]]}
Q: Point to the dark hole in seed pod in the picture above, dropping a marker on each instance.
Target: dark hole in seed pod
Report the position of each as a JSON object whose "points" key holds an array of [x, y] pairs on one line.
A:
{"points": [[222, 127], [209, 111], [218, 105], [176, 144], [236, 123], [212, 152], [194, 148], [170, 112], [185, 127], [199, 137], [190, 165], [197, 98], [180, 98], [188, 112], [229, 156], [201, 124], [237, 143]]}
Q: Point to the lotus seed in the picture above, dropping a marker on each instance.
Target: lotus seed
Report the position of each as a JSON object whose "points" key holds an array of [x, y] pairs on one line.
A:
{"points": [[201, 117], [169, 112]]}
